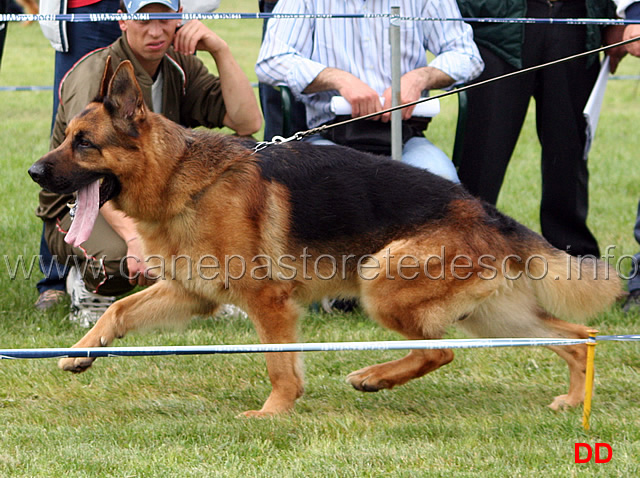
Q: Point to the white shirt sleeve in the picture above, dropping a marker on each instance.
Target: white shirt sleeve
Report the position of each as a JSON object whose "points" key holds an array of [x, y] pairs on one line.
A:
{"points": [[622, 6], [284, 57], [451, 42]]}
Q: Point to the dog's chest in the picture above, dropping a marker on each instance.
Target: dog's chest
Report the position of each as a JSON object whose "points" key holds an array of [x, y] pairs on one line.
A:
{"points": [[180, 261]]}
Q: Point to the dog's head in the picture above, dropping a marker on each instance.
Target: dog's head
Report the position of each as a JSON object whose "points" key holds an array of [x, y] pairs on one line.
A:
{"points": [[97, 140]]}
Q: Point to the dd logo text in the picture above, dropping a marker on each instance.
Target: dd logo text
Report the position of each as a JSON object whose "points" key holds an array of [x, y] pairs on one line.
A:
{"points": [[596, 453]]}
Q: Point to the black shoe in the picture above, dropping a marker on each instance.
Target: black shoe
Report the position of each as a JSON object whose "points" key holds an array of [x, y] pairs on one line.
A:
{"points": [[633, 302]]}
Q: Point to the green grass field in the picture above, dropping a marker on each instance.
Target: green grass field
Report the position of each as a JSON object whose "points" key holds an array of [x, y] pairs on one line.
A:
{"points": [[484, 414]]}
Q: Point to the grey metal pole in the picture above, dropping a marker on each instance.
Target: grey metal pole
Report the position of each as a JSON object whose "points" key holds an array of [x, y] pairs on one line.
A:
{"points": [[396, 116]]}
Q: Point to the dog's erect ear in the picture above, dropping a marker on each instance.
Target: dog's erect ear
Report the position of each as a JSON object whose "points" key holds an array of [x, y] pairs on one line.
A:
{"points": [[124, 98], [106, 77]]}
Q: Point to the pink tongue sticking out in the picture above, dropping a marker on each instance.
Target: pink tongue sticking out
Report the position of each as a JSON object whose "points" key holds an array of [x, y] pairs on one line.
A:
{"points": [[88, 205]]}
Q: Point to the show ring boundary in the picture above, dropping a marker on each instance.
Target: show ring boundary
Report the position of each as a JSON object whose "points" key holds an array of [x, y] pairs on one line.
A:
{"points": [[591, 342]]}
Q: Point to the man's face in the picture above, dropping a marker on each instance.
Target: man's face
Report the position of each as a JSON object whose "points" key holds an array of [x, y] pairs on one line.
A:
{"points": [[150, 39]]}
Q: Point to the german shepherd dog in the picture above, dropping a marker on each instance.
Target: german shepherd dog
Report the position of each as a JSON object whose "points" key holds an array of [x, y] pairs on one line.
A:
{"points": [[419, 252]]}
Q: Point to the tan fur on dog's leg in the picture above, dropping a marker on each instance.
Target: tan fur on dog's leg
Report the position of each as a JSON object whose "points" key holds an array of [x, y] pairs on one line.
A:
{"points": [[576, 358], [153, 307], [417, 308], [275, 315], [387, 375], [286, 379], [516, 314]]}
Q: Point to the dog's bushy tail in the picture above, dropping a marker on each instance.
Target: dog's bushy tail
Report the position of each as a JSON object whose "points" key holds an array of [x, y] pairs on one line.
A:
{"points": [[567, 286]]}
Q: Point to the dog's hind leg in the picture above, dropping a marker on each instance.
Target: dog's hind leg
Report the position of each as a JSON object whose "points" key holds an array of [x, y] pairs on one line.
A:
{"points": [[160, 304], [407, 319], [387, 375], [417, 309], [515, 313], [275, 317], [425, 316], [576, 358]]}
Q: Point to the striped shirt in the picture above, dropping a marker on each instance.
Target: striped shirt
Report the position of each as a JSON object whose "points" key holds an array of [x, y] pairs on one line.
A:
{"points": [[296, 50]]}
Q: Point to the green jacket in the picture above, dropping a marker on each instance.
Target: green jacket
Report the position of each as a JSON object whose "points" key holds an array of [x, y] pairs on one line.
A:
{"points": [[505, 39], [191, 97]]}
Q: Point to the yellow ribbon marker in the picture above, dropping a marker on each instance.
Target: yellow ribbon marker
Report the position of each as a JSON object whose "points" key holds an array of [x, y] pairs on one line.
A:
{"points": [[591, 353]]}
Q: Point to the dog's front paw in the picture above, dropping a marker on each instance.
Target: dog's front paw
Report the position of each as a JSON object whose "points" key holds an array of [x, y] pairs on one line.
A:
{"points": [[75, 365], [256, 414], [563, 402]]}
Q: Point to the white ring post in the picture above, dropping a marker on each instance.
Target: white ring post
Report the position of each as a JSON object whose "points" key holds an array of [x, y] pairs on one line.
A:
{"points": [[396, 116]]}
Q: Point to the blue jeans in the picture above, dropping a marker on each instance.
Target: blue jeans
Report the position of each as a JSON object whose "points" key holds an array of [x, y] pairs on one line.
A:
{"points": [[419, 152], [53, 272]]}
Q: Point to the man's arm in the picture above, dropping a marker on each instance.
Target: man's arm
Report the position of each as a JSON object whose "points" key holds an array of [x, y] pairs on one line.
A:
{"points": [[456, 54], [285, 59], [125, 227], [59, 126], [364, 100], [616, 33], [632, 12], [242, 111], [285, 54], [412, 84], [457, 59]]}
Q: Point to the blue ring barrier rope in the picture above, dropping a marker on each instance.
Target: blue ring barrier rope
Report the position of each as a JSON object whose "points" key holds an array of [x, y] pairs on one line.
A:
{"points": [[101, 17], [619, 338], [95, 352], [254, 85], [26, 88]]}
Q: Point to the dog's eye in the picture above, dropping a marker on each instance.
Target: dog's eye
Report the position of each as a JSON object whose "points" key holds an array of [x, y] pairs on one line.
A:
{"points": [[81, 143]]}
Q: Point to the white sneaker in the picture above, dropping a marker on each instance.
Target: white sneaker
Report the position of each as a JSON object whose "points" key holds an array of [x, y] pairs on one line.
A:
{"points": [[229, 311], [86, 307]]}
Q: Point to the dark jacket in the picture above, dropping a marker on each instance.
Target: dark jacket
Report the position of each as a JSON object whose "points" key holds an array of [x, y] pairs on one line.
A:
{"points": [[191, 97], [505, 39]]}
